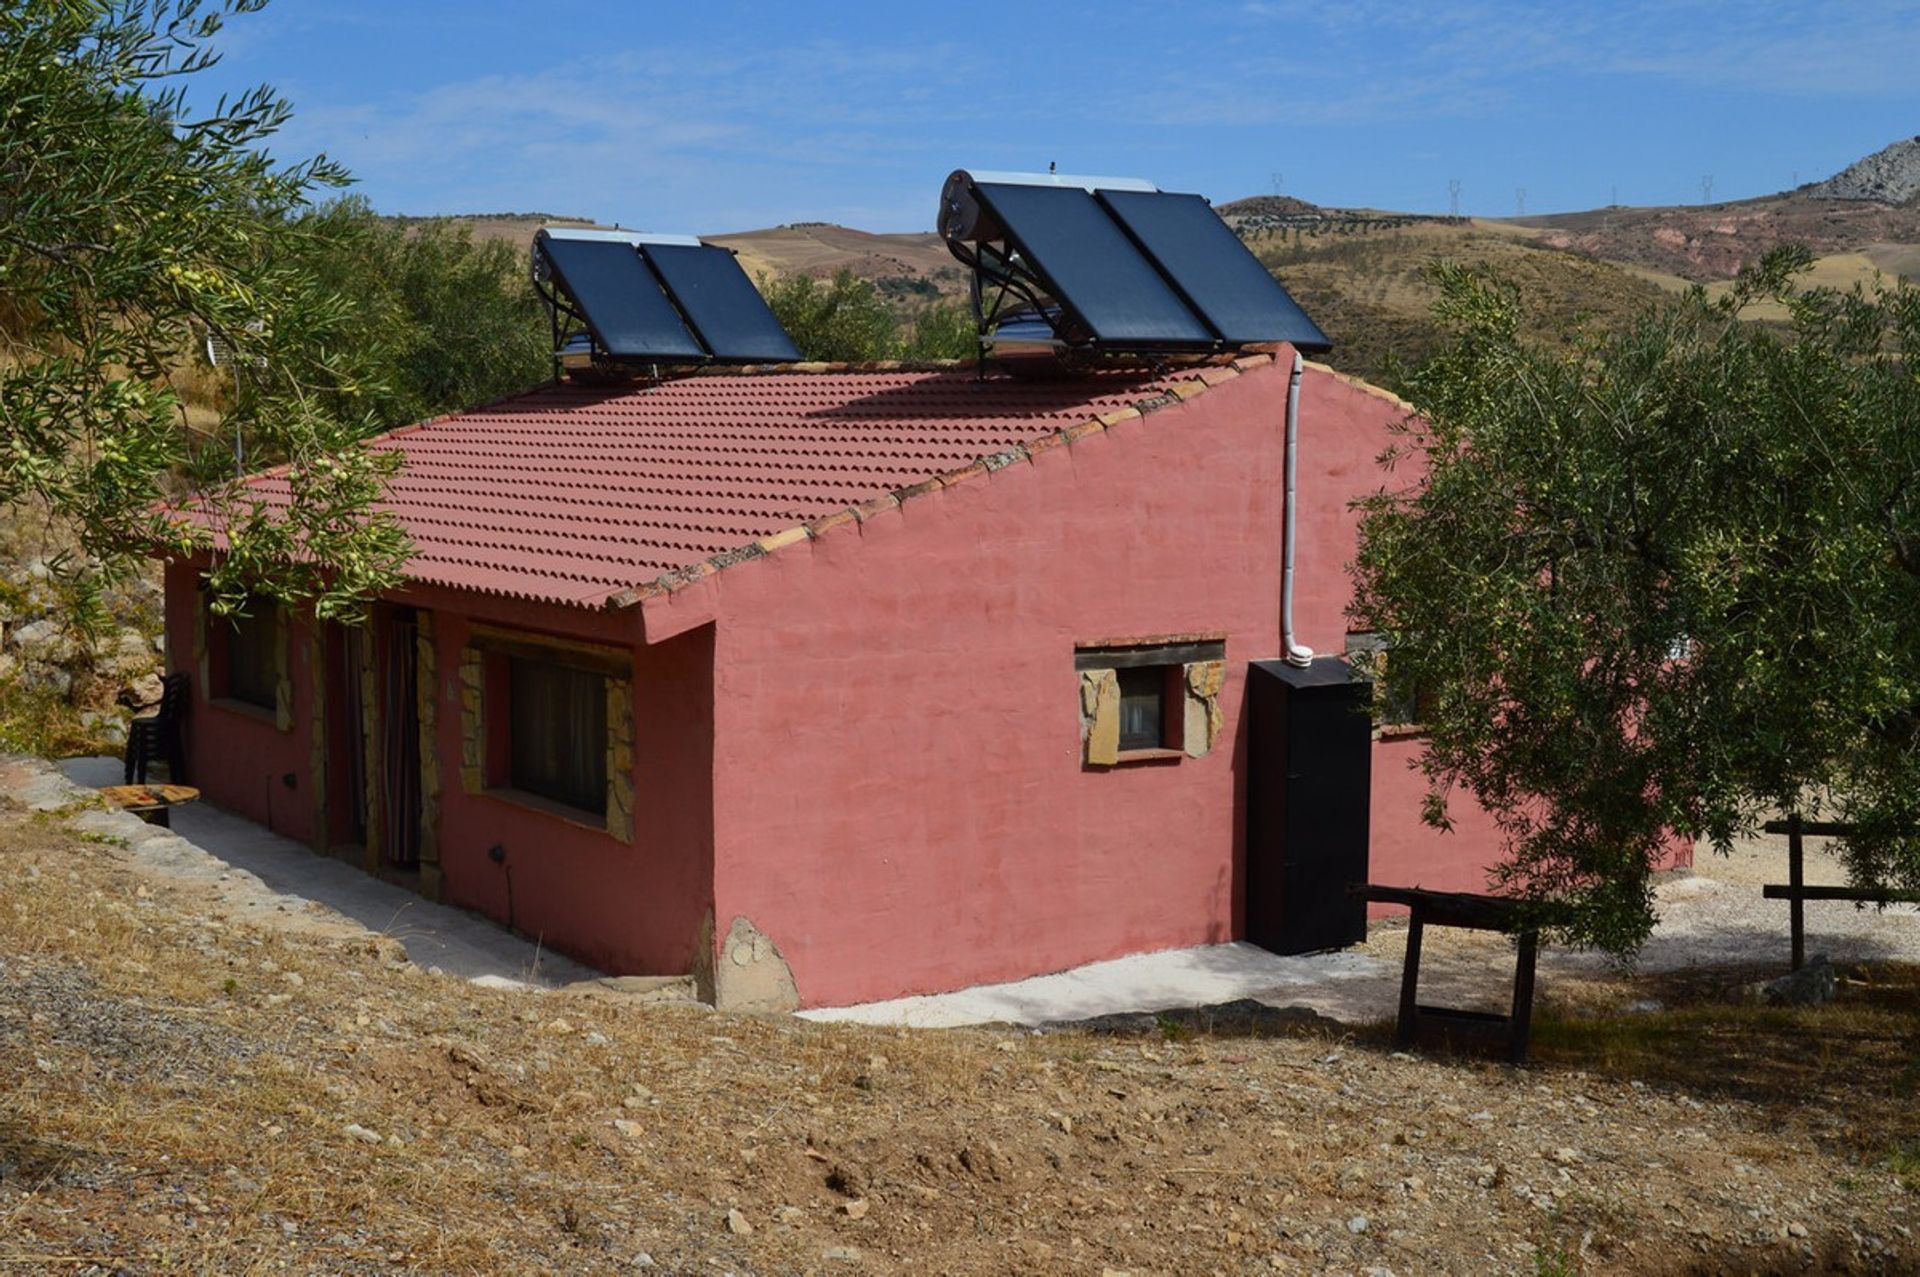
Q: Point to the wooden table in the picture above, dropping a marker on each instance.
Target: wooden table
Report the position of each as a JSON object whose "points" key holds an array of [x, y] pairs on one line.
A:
{"points": [[152, 803], [1474, 913]]}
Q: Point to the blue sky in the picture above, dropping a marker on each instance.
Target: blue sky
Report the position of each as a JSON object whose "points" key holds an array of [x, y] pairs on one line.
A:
{"points": [[727, 116]]}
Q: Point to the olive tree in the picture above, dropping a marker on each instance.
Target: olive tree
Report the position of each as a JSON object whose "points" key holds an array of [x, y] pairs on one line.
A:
{"points": [[1664, 585], [134, 224]]}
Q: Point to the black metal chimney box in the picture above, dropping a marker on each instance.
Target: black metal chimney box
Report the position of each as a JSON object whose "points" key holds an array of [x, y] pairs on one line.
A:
{"points": [[1309, 782]]}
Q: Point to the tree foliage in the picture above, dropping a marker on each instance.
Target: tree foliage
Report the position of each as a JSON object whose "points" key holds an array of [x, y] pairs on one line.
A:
{"points": [[846, 319], [451, 321], [132, 224], [1666, 584]]}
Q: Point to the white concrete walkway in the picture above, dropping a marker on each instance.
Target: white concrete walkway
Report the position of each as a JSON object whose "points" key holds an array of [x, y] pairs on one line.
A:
{"points": [[1349, 985], [461, 944]]}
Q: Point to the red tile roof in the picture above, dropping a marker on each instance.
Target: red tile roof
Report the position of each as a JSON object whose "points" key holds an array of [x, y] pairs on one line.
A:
{"points": [[597, 496]]}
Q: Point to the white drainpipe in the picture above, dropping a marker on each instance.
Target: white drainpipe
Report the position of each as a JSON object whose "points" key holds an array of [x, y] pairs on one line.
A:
{"points": [[1295, 653]]}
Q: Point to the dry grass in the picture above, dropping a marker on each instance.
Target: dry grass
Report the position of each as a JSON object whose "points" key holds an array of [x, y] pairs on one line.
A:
{"points": [[176, 1093], [1371, 292]]}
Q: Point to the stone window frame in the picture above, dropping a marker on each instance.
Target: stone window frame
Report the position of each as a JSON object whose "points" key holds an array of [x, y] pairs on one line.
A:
{"points": [[1194, 668], [212, 635], [1396, 713], [480, 740]]}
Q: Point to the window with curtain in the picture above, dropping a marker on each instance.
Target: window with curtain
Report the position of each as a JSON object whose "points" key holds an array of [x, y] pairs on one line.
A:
{"points": [[557, 717], [253, 656]]}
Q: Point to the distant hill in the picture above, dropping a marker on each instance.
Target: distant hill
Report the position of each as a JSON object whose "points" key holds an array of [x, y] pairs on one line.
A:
{"points": [[1361, 272]]}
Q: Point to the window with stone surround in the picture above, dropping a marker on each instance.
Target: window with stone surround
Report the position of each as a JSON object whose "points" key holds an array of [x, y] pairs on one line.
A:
{"points": [[548, 723], [1150, 698], [242, 658], [1398, 708]]}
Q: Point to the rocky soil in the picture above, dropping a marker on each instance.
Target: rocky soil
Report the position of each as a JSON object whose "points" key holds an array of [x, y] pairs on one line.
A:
{"points": [[64, 686], [185, 1089], [1714, 241]]}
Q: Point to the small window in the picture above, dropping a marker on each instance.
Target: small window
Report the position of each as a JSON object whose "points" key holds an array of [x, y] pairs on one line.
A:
{"points": [[1396, 704], [1150, 699], [557, 718], [1143, 707], [253, 655]]}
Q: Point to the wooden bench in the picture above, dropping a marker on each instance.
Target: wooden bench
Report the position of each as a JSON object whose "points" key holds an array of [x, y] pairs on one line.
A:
{"points": [[1471, 912], [1796, 891], [152, 803]]}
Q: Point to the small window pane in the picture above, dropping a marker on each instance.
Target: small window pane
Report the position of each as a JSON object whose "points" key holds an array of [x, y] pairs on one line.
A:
{"points": [[253, 664], [1142, 693], [558, 718]]}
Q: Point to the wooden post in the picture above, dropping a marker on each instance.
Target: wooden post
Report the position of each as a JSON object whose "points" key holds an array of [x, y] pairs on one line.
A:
{"points": [[1796, 877], [1410, 982], [1522, 1027]]}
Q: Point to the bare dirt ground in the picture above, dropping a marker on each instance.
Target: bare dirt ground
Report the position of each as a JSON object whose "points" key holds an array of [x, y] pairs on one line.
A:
{"points": [[184, 1091]]}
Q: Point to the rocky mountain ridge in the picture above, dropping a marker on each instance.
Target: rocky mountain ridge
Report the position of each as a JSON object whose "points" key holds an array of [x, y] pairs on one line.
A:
{"points": [[1890, 175]]}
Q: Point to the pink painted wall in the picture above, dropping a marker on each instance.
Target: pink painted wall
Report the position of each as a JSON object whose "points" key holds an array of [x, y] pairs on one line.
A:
{"points": [[634, 909], [628, 909], [900, 801], [236, 756]]}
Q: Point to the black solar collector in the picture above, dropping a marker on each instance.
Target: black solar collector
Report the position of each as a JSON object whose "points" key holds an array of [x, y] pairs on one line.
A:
{"points": [[1092, 268], [625, 308], [722, 304], [1215, 273]]}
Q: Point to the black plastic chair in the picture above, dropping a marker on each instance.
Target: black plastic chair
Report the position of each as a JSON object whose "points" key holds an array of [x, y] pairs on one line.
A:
{"points": [[157, 735]]}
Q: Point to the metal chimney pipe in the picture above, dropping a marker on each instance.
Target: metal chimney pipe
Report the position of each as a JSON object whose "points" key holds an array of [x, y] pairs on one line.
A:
{"points": [[1294, 652]]}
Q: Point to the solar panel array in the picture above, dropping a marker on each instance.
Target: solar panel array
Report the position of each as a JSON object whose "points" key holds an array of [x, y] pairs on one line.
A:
{"points": [[1145, 269], [660, 300]]}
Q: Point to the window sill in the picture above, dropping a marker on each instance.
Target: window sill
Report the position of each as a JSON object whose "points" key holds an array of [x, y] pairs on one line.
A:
{"points": [[1157, 755], [245, 709], [548, 807], [1400, 731]]}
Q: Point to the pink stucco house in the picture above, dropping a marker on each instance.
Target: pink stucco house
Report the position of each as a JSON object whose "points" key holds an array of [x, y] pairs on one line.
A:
{"points": [[797, 677]]}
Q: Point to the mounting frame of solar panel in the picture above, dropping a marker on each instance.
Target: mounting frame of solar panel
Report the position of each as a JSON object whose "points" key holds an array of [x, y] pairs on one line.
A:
{"points": [[1008, 284], [692, 310]]}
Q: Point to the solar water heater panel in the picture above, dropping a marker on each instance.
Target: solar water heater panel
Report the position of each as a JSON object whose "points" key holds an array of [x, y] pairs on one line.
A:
{"points": [[1094, 270], [726, 310], [1217, 274], [624, 305]]}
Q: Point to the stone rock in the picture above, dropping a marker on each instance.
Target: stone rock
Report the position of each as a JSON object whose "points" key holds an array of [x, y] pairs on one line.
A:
{"points": [[355, 1131], [51, 677], [643, 1260], [739, 1225], [855, 1209], [1358, 1224], [750, 974], [143, 692], [1809, 986], [841, 1254], [110, 727], [43, 640]]}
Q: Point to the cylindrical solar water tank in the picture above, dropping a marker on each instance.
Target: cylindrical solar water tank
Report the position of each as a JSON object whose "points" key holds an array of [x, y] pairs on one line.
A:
{"points": [[962, 218]]}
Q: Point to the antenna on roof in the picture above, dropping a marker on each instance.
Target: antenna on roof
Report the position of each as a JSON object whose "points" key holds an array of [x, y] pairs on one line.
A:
{"points": [[219, 352]]}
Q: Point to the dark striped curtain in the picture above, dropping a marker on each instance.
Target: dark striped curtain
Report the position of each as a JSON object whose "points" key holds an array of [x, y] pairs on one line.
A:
{"points": [[400, 738]]}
